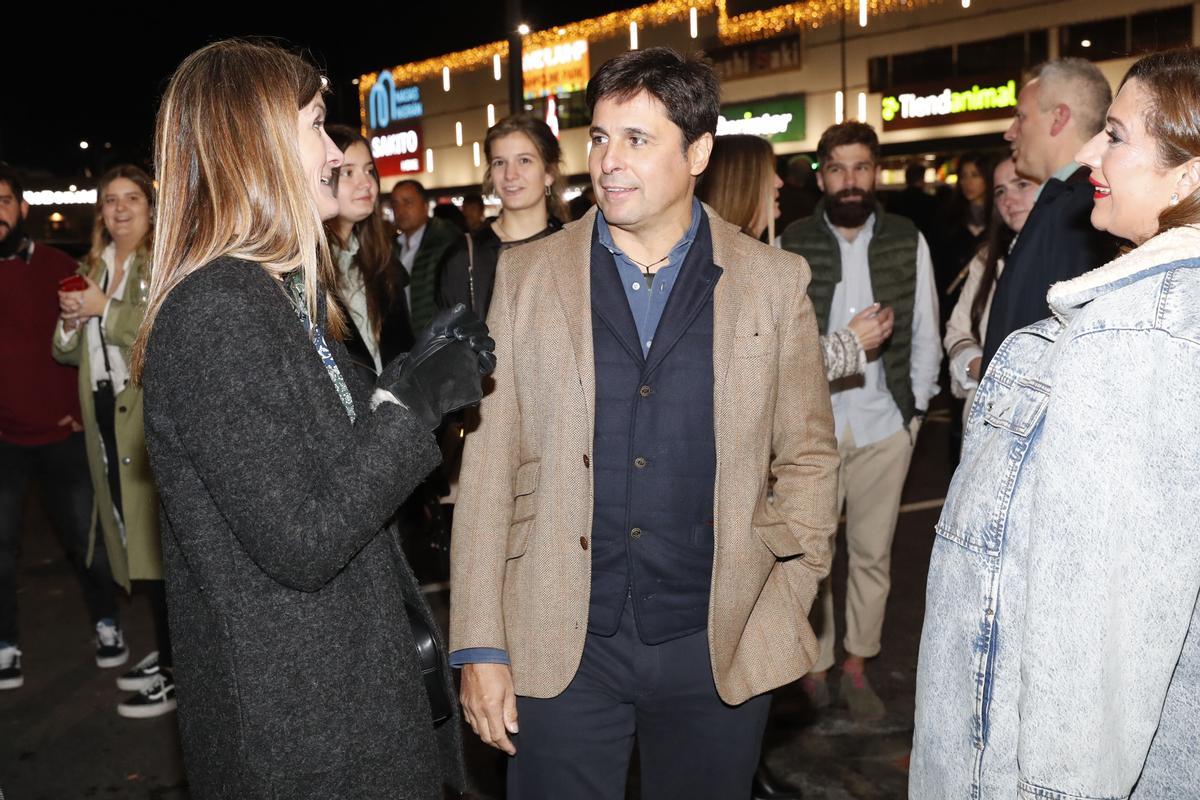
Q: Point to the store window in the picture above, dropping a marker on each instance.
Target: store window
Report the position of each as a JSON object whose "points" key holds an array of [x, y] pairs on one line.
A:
{"points": [[1098, 40], [1161, 30], [571, 108], [1005, 54], [925, 66]]}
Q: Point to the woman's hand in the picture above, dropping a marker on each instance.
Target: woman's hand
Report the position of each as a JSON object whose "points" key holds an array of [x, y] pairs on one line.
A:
{"points": [[872, 326], [79, 306]]}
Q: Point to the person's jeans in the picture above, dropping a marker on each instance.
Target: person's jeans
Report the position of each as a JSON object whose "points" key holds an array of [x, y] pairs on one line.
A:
{"points": [[61, 472]]}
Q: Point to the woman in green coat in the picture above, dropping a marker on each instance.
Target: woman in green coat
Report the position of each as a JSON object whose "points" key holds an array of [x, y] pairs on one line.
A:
{"points": [[97, 330]]}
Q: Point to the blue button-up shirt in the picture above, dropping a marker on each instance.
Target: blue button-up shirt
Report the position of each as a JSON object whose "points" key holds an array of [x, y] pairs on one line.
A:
{"points": [[647, 301]]}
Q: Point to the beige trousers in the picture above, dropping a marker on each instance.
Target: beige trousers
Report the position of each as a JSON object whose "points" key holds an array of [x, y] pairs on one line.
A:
{"points": [[870, 481]]}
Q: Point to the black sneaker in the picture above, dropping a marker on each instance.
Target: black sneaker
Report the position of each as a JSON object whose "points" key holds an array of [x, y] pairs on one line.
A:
{"points": [[10, 667], [110, 645], [156, 699], [141, 675]]}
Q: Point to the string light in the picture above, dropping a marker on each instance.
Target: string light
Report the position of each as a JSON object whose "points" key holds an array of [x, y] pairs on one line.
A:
{"points": [[862, 13], [445, 79], [458, 133], [633, 36], [839, 108], [751, 26], [429, 159], [475, 152], [491, 111], [862, 106]]}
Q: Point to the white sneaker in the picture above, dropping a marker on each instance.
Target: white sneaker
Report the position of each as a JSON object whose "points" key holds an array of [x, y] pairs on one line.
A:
{"points": [[156, 699], [10, 667], [110, 645], [141, 675]]}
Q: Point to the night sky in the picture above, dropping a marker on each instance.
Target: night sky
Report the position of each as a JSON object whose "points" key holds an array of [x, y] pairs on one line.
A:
{"points": [[99, 79]]}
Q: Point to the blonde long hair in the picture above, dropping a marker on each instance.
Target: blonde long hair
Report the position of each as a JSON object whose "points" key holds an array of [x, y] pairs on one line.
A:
{"points": [[230, 180], [737, 183]]}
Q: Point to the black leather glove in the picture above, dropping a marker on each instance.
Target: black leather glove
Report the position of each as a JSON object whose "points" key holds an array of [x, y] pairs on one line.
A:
{"points": [[443, 371]]}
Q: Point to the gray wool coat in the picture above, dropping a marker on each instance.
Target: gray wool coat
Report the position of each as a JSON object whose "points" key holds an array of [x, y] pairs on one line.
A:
{"points": [[296, 670]]}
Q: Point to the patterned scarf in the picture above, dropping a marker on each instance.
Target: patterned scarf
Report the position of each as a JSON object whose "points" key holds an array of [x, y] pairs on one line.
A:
{"points": [[294, 284]]}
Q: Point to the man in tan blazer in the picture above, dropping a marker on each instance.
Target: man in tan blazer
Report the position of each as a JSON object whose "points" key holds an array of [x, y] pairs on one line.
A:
{"points": [[647, 506]]}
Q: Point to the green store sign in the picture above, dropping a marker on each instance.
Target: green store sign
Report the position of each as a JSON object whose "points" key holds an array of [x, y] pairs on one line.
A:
{"points": [[778, 120], [948, 105]]}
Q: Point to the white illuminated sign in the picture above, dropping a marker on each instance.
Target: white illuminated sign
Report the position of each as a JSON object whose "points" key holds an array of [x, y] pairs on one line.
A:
{"points": [[761, 125], [395, 144], [46, 197], [948, 102]]}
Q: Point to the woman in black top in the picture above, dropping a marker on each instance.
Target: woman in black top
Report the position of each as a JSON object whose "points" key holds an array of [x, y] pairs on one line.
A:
{"points": [[524, 166]]}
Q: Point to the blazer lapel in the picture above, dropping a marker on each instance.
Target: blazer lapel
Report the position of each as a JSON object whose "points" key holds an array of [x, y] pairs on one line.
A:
{"points": [[698, 275], [574, 285], [610, 304]]}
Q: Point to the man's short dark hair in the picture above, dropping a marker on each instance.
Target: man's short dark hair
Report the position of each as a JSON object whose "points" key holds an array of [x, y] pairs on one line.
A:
{"points": [[914, 173], [417, 185], [848, 132], [9, 176], [687, 87], [473, 200]]}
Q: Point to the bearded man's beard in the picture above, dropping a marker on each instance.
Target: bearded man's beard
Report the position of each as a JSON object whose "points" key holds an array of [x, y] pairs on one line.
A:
{"points": [[11, 238], [850, 208]]}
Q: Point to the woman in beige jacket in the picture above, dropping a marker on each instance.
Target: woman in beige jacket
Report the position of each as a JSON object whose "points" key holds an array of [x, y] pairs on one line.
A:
{"points": [[96, 332]]}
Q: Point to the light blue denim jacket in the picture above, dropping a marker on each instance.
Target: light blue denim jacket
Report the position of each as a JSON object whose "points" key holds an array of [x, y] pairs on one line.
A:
{"points": [[1060, 657]]}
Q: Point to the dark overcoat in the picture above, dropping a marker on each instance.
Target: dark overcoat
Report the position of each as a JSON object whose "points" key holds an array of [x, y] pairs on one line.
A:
{"points": [[296, 669]]}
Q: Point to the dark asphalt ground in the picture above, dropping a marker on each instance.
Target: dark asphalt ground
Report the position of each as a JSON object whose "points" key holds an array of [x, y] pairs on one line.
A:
{"points": [[61, 738]]}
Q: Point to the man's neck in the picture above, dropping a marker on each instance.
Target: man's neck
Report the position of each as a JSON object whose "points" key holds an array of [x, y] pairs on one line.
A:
{"points": [[1060, 160], [651, 244], [411, 233], [849, 234]]}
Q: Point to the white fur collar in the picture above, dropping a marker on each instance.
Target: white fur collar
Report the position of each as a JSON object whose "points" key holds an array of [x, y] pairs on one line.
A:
{"points": [[1177, 244]]}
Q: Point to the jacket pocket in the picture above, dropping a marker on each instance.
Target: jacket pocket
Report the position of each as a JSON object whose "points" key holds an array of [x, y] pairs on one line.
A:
{"points": [[976, 512], [779, 540], [518, 539], [525, 484], [753, 346]]}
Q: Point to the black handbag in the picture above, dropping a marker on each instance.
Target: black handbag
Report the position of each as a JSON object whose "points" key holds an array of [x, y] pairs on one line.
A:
{"points": [[429, 658]]}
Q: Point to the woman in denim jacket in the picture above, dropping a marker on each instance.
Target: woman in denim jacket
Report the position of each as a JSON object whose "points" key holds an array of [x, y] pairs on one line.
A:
{"points": [[1061, 656]]}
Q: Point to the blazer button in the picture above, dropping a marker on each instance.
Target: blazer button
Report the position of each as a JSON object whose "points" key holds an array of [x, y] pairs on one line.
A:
{"points": [[122, 409], [639, 462], [126, 461], [583, 542], [644, 391], [636, 533], [587, 462]]}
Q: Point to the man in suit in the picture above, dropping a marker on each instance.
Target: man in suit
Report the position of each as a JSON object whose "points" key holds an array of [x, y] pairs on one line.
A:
{"points": [[1058, 111], [423, 241], [621, 564]]}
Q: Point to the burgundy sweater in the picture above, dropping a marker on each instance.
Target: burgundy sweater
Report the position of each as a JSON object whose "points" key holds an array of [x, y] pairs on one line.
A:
{"points": [[35, 390]]}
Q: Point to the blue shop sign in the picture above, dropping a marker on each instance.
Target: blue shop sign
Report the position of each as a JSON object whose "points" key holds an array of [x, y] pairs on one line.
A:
{"points": [[388, 104]]}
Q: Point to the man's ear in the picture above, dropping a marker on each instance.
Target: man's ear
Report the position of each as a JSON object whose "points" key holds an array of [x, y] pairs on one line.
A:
{"points": [[698, 153], [1060, 117], [24, 210], [820, 179]]}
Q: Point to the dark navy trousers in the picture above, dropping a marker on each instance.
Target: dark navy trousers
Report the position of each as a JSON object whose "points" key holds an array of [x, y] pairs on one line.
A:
{"points": [[690, 744]]}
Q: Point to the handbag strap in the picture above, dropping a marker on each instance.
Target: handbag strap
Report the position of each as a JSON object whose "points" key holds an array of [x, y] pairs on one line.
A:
{"points": [[471, 270]]}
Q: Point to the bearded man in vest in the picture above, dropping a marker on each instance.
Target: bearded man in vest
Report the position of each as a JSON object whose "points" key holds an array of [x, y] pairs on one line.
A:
{"points": [[621, 568], [861, 258]]}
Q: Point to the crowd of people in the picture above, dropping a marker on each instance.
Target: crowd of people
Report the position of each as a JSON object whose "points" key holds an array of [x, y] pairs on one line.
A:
{"points": [[229, 400]]}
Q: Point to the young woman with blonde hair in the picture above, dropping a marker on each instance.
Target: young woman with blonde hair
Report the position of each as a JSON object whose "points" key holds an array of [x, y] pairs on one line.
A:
{"points": [[96, 333], [295, 616]]}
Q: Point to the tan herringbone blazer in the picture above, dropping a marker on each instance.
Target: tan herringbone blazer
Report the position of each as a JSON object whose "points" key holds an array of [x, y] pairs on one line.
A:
{"points": [[520, 560]]}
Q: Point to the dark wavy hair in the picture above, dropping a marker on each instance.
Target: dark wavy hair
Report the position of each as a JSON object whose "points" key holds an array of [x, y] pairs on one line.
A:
{"points": [[687, 87]]}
